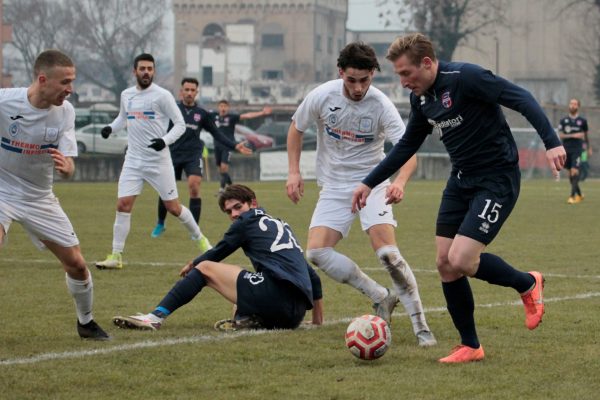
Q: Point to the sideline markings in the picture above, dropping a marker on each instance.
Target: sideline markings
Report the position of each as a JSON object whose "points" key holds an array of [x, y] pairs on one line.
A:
{"points": [[215, 338]]}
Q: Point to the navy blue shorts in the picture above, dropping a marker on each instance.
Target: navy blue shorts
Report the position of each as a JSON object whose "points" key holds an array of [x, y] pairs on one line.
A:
{"points": [[573, 158], [222, 155], [477, 206], [192, 165], [278, 304]]}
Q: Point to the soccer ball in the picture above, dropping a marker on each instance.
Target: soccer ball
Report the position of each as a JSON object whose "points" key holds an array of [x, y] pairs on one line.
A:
{"points": [[368, 337]]}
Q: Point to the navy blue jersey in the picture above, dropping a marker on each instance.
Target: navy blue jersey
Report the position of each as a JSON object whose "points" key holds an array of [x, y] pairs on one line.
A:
{"points": [[226, 123], [196, 118], [463, 108], [270, 245], [569, 126]]}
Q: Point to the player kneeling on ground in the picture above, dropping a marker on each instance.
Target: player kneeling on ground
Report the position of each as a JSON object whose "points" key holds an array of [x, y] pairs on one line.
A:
{"points": [[276, 296]]}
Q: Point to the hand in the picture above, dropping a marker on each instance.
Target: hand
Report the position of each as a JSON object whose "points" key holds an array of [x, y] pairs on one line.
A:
{"points": [[243, 148], [106, 131], [186, 269], [63, 165], [267, 110], [556, 158], [359, 197], [295, 187], [394, 194], [157, 144]]}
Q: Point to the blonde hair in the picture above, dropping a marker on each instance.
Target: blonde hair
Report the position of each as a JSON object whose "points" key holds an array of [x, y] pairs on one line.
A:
{"points": [[415, 46]]}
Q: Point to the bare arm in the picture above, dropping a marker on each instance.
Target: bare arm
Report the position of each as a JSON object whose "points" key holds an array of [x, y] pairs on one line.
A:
{"points": [[63, 165], [256, 114], [295, 184], [395, 192]]}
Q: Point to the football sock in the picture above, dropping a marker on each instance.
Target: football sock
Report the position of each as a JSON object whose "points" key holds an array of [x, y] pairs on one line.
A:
{"points": [[575, 185], [344, 270], [196, 208], [405, 285], [83, 295], [162, 212], [461, 306], [228, 177], [120, 231], [187, 219], [224, 178], [496, 271], [182, 293]]}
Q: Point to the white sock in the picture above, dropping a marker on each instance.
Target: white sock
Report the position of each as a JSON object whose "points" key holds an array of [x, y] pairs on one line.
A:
{"points": [[344, 270], [187, 219], [405, 285], [83, 295], [121, 231]]}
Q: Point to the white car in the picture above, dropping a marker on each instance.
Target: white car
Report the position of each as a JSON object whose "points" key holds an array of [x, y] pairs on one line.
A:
{"points": [[89, 140]]}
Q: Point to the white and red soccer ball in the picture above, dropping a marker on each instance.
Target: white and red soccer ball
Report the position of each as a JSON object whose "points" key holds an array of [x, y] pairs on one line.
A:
{"points": [[368, 337]]}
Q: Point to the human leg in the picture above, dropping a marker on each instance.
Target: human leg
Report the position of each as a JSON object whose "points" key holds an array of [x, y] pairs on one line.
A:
{"points": [[160, 224]]}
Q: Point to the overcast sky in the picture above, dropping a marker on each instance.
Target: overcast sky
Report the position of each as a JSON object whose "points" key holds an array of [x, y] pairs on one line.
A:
{"points": [[364, 16]]}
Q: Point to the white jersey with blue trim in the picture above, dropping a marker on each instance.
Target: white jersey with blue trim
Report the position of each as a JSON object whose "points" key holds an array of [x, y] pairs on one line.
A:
{"points": [[350, 134], [26, 168], [147, 112]]}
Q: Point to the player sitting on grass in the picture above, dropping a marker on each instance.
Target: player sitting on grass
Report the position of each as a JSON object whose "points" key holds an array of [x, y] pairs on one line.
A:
{"points": [[276, 296]]}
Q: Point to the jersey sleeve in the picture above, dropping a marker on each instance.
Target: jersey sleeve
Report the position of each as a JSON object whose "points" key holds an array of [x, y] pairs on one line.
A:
{"points": [[121, 120], [392, 123], [308, 111], [232, 240], [315, 282], [172, 111], [67, 144], [481, 84]]}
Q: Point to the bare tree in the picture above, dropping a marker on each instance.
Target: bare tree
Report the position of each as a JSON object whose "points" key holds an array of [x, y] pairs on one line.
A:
{"points": [[37, 26], [445, 22], [109, 34]]}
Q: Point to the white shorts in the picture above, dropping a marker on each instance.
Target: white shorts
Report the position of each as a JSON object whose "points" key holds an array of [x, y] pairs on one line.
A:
{"points": [[160, 176], [334, 210], [42, 219]]}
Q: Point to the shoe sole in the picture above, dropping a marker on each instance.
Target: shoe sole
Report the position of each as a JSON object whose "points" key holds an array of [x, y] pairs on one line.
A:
{"points": [[97, 339], [99, 266], [125, 323], [543, 304]]}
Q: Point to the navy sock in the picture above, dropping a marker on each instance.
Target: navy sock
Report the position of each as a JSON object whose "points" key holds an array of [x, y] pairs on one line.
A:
{"points": [[196, 208], [228, 177], [496, 271], [224, 178], [182, 293], [461, 306], [162, 212]]}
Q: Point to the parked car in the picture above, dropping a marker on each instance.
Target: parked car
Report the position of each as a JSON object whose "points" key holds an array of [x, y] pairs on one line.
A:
{"points": [[242, 133], [278, 130], [89, 140], [100, 113]]}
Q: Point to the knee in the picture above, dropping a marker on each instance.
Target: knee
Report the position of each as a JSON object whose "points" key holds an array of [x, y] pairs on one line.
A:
{"points": [[75, 265], [173, 207], [124, 206], [319, 257], [206, 268]]}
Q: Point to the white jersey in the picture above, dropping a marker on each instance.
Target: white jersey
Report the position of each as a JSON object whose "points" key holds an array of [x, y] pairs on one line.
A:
{"points": [[27, 134], [350, 134], [147, 113]]}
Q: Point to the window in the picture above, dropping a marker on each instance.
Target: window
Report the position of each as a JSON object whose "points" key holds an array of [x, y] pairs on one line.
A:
{"points": [[318, 43], [272, 74], [207, 76], [329, 45], [272, 40]]}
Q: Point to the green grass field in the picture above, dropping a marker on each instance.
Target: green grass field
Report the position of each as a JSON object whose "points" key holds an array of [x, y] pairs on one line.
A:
{"points": [[42, 357]]}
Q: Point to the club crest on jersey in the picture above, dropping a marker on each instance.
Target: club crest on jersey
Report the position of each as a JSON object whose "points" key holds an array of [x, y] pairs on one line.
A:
{"points": [[446, 100], [197, 117], [13, 129], [51, 135], [578, 122], [332, 119], [365, 125]]}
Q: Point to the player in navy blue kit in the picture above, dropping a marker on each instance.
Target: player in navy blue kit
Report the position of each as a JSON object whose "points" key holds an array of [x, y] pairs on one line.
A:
{"points": [[226, 123], [186, 152], [461, 103], [572, 130], [276, 296]]}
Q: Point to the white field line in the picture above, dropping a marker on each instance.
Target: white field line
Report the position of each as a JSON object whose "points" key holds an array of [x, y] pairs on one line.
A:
{"points": [[230, 336], [181, 264]]}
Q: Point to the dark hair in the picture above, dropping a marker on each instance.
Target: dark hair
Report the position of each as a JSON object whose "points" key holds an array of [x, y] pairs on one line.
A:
{"points": [[236, 192], [223, 102], [415, 46], [50, 59], [190, 80], [358, 55], [142, 57]]}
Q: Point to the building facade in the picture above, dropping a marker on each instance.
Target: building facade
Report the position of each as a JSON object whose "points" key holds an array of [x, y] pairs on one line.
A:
{"points": [[5, 37], [239, 49]]}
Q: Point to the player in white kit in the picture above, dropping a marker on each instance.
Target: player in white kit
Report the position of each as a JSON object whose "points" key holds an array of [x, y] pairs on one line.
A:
{"points": [[146, 110], [39, 138], [354, 119]]}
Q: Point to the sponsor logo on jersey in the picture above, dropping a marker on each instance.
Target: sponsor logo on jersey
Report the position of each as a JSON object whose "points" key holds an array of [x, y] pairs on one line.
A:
{"points": [[334, 109], [13, 129], [197, 117], [485, 227], [145, 115], [381, 214], [254, 278], [18, 146], [16, 117], [448, 123], [446, 100], [340, 134], [191, 126]]}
